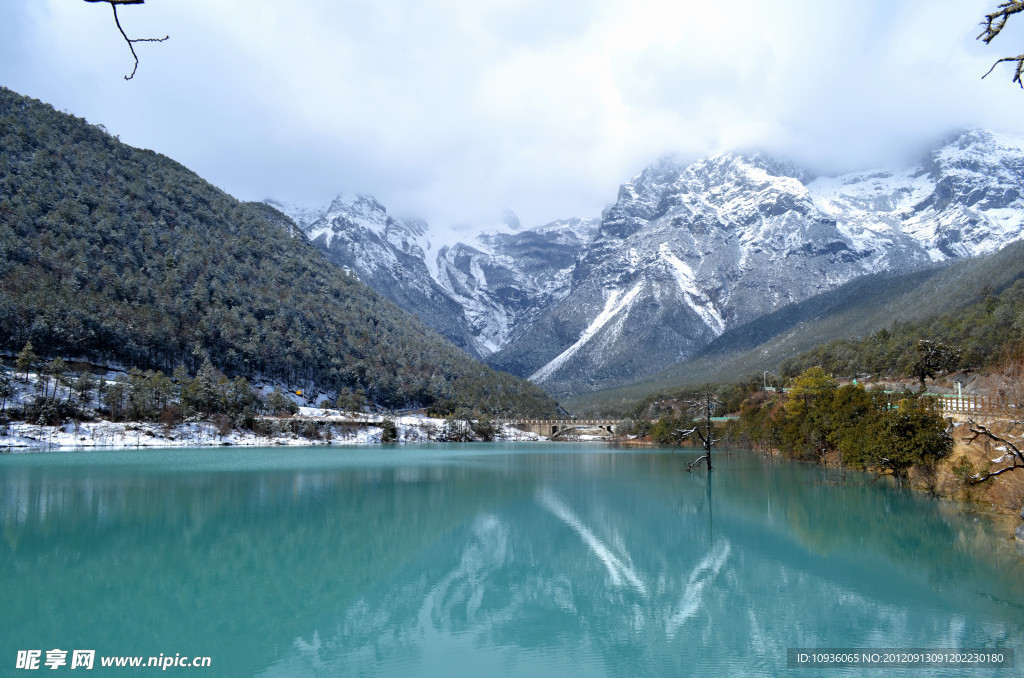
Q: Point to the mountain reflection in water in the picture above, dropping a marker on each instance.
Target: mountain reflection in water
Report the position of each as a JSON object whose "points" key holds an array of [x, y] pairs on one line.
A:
{"points": [[486, 560]]}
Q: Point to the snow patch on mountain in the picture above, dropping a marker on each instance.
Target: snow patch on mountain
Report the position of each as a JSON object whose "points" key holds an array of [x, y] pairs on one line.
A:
{"points": [[695, 297], [302, 216], [506, 277], [613, 306]]}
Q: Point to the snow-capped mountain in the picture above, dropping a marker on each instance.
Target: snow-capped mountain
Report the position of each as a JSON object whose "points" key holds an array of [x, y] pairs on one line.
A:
{"points": [[474, 294], [503, 281], [688, 251], [963, 200], [302, 216], [389, 255]]}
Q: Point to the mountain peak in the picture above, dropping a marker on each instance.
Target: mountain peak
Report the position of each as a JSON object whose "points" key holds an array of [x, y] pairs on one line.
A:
{"points": [[686, 252], [511, 219], [971, 136], [360, 204], [301, 215], [980, 148], [748, 164]]}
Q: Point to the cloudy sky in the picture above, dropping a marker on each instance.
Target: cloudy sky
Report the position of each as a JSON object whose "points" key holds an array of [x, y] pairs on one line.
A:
{"points": [[454, 110]]}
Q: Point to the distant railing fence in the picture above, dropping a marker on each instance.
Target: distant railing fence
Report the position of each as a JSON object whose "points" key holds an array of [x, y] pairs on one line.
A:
{"points": [[971, 404]]}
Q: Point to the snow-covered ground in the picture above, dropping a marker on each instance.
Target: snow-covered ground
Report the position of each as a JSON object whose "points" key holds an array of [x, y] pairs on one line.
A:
{"points": [[310, 426], [336, 428]]}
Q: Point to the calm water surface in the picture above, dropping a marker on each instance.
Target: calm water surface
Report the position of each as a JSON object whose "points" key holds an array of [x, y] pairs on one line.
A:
{"points": [[538, 560]]}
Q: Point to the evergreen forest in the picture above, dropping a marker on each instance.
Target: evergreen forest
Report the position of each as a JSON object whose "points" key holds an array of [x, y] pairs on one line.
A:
{"points": [[122, 256]]}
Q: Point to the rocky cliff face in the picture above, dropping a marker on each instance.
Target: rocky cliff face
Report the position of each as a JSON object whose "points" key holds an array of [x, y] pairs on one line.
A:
{"points": [[504, 281]]}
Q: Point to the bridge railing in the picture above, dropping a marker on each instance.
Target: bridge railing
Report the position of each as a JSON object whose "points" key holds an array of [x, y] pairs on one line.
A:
{"points": [[574, 422], [975, 404]]}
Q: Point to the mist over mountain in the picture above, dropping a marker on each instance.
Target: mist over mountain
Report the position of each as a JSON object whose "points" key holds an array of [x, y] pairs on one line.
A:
{"points": [[686, 252]]}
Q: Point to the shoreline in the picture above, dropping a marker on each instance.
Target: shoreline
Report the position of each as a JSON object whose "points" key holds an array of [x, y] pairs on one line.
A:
{"points": [[329, 428], [22, 437]]}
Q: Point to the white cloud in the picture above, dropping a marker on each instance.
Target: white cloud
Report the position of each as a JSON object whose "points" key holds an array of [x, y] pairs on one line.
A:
{"points": [[456, 109]]}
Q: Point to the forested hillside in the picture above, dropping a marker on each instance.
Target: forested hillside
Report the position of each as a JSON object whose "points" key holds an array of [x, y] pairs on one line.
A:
{"points": [[870, 325], [122, 255], [977, 336]]}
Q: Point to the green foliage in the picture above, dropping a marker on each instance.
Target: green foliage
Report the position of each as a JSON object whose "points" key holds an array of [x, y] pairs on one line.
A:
{"points": [[731, 396], [484, 428], [634, 427], [6, 391], [203, 394], [933, 357], [278, 404], [807, 389], [351, 400], [848, 415], [49, 411], [55, 369], [83, 386], [868, 430], [912, 433], [806, 427], [669, 430], [115, 398], [148, 394], [969, 338], [458, 426], [153, 396], [388, 431], [121, 255], [964, 472], [759, 422], [26, 359], [964, 469]]}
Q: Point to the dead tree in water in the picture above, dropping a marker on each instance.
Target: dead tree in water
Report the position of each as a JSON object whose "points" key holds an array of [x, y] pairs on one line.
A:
{"points": [[703, 409]]}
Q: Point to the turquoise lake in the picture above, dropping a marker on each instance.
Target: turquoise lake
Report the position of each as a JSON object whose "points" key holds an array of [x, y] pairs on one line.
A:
{"points": [[487, 560]]}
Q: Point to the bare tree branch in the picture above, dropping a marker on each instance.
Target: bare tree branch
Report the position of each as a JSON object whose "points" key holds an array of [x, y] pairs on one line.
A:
{"points": [[1016, 74], [1012, 453], [131, 41], [996, 21], [993, 25], [697, 461]]}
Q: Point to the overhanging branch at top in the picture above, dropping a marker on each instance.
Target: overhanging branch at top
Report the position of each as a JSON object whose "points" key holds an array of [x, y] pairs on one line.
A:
{"points": [[131, 41], [994, 24]]}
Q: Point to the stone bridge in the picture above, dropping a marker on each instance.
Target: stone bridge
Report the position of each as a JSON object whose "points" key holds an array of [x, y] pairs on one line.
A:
{"points": [[553, 427]]}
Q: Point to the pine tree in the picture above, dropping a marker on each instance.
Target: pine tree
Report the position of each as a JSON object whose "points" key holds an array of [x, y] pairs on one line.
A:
{"points": [[83, 387], [56, 369], [27, 359], [6, 391]]}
